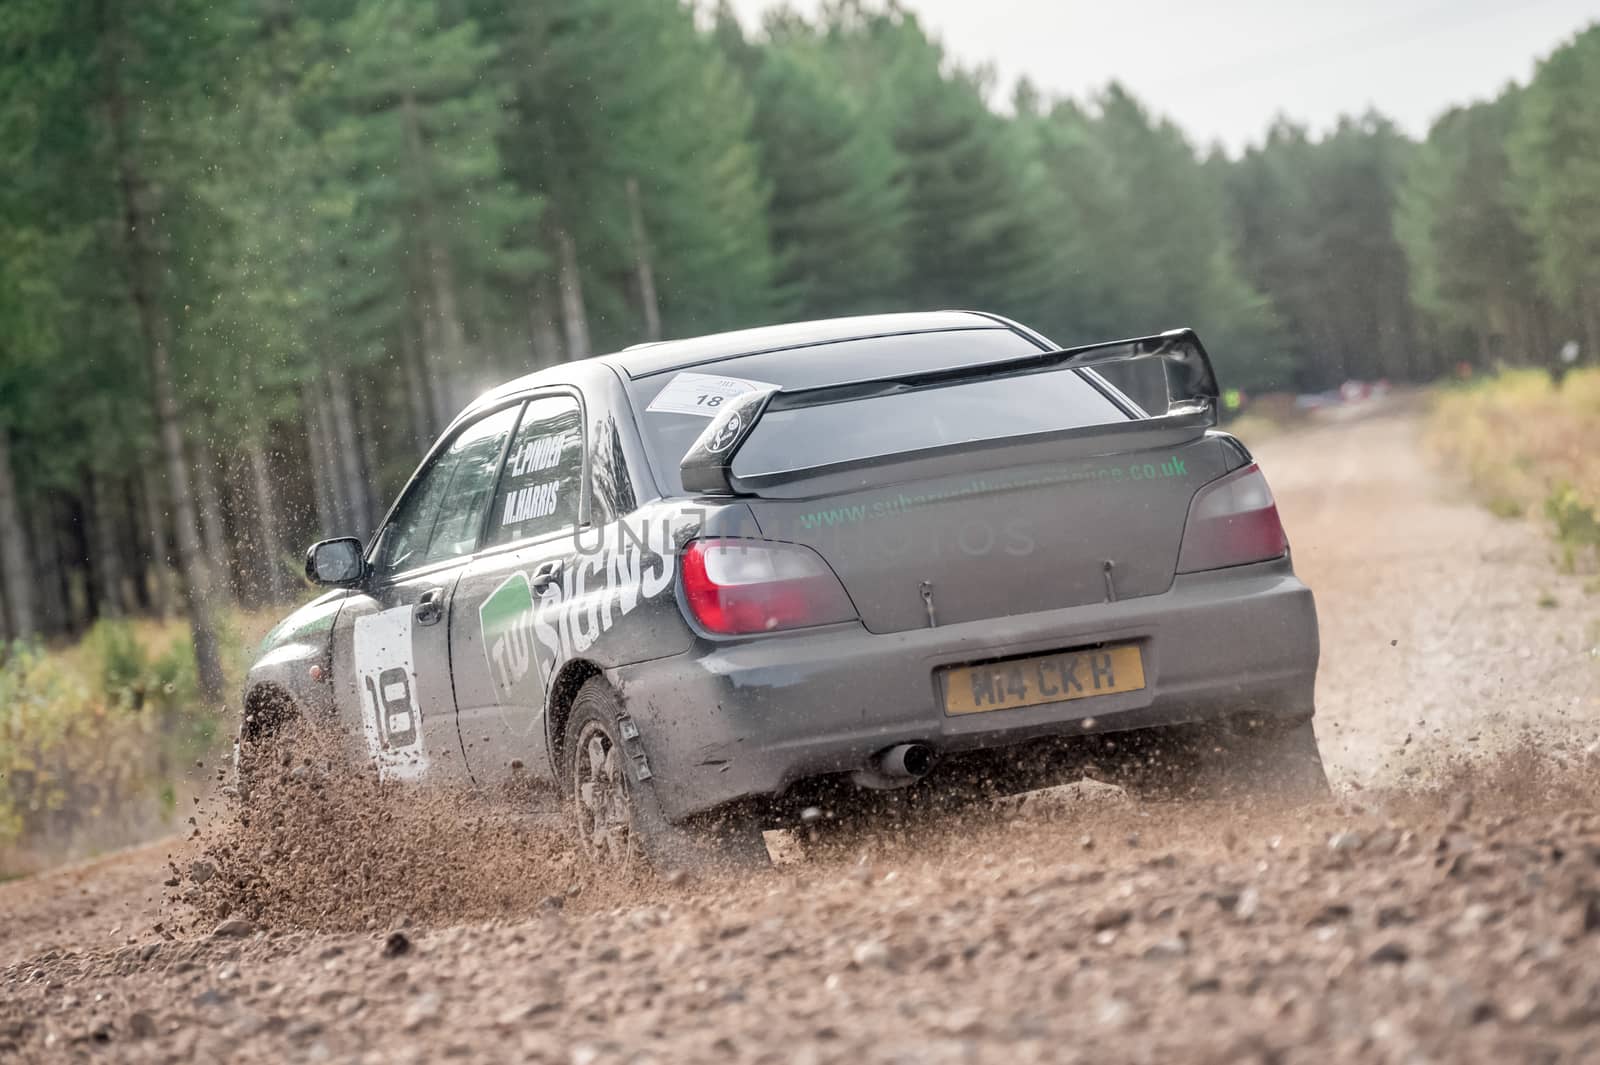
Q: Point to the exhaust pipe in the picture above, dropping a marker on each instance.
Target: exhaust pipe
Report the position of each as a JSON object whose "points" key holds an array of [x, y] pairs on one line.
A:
{"points": [[897, 767], [911, 760]]}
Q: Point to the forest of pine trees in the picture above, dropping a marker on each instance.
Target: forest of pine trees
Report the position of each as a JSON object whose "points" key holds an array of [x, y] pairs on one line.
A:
{"points": [[255, 253]]}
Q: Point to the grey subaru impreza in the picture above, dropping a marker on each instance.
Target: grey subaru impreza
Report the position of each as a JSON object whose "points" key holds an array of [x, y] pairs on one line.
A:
{"points": [[707, 586]]}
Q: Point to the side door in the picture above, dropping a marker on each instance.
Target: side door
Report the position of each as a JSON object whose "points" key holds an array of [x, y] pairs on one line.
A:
{"points": [[502, 655], [391, 652]]}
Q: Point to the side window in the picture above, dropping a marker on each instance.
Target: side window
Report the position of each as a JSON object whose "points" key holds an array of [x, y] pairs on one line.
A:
{"points": [[543, 478], [608, 473], [440, 517]]}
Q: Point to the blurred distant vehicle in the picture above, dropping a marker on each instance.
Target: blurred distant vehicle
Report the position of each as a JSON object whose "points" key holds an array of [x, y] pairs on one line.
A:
{"points": [[1317, 400], [1350, 393], [746, 574], [1274, 407]]}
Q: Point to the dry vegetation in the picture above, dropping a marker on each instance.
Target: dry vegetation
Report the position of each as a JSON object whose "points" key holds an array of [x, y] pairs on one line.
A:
{"points": [[1529, 449], [99, 738]]}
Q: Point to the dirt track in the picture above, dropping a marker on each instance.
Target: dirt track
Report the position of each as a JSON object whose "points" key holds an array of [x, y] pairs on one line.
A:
{"points": [[1446, 908]]}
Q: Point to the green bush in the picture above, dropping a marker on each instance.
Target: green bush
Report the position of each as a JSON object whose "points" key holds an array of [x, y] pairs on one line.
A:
{"points": [[96, 736], [131, 677], [65, 759], [1577, 527]]}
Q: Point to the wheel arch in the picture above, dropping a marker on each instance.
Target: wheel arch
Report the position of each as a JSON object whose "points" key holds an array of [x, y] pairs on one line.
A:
{"points": [[563, 692]]}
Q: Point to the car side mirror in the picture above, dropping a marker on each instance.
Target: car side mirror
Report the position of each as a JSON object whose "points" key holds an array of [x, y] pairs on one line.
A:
{"points": [[336, 562]]}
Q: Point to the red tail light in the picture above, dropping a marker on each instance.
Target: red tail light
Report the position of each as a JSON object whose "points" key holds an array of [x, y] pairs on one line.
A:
{"points": [[1232, 521], [738, 587]]}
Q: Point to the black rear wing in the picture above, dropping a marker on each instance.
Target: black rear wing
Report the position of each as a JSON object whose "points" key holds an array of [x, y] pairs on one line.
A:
{"points": [[707, 467]]}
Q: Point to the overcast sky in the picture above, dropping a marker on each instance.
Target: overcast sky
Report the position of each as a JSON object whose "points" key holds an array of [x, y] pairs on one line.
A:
{"points": [[1224, 70]]}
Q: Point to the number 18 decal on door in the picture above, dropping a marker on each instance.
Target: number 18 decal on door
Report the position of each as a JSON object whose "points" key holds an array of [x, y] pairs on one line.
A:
{"points": [[386, 676]]}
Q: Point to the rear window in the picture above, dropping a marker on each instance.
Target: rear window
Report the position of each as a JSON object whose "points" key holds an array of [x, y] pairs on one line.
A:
{"points": [[883, 425]]}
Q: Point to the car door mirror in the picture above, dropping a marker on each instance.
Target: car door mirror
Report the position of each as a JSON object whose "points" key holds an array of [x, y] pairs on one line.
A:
{"points": [[336, 562]]}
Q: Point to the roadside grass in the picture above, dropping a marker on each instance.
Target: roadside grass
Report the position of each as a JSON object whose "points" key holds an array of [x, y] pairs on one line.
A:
{"points": [[100, 739], [1255, 427], [1267, 415], [1530, 450]]}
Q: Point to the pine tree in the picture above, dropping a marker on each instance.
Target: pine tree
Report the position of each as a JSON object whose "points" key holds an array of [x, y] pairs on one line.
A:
{"points": [[837, 211], [1473, 268], [590, 121], [138, 59], [1138, 232], [414, 135], [1555, 177], [968, 239], [1316, 234]]}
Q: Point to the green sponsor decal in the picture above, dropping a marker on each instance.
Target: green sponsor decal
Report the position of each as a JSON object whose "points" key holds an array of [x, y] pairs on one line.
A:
{"points": [[507, 621]]}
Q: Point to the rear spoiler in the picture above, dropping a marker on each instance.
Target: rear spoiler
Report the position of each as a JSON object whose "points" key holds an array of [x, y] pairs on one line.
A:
{"points": [[707, 467]]}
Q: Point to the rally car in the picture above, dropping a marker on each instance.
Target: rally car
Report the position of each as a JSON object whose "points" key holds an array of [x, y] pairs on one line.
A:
{"points": [[696, 584]]}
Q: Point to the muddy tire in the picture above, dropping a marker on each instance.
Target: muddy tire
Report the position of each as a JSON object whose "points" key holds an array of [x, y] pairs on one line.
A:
{"points": [[1245, 758], [616, 818]]}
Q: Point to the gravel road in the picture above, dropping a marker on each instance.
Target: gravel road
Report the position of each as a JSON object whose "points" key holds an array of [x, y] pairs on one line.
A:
{"points": [[1446, 908]]}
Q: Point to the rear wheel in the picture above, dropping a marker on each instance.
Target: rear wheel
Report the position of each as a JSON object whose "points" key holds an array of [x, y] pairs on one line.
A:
{"points": [[1247, 757], [600, 797], [616, 817]]}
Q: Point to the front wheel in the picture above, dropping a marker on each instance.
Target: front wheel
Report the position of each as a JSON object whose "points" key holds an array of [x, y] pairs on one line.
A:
{"points": [[616, 817]]}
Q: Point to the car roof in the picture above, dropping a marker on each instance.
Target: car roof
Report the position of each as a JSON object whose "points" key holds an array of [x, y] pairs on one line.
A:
{"points": [[643, 360]]}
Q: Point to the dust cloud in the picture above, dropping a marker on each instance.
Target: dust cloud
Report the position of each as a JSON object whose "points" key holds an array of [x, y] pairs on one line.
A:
{"points": [[323, 845]]}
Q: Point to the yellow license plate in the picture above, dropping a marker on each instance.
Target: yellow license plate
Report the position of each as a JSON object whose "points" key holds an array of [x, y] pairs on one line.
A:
{"points": [[1051, 678]]}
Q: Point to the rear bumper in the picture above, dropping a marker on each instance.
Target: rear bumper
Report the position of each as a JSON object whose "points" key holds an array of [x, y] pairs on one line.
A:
{"points": [[725, 721]]}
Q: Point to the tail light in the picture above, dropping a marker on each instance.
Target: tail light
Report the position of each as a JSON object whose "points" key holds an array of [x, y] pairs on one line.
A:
{"points": [[737, 587], [1232, 521]]}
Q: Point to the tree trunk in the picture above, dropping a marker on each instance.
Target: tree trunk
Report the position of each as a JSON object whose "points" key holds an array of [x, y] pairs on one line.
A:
{"points": [[547, 350], [160, 559], [367, 454], [144, 273], [435, 381], [105, 553], [50, 607], [643, 269], [573, 315], [450, 362], [347, 454], [212, 527], [16, 571], [422, 421], [319, 448], [447, 352], [77, 560], [266, 512]]}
